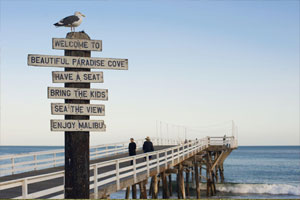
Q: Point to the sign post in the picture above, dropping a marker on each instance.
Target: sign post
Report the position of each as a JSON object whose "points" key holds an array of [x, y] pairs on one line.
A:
{"points": [[77, 143], [77, 78]]}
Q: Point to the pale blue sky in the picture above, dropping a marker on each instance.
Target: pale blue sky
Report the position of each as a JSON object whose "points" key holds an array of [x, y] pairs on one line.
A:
{"points": [[191, 63]]}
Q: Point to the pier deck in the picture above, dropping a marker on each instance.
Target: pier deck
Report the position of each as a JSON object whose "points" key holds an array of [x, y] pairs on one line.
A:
{"points": [[113, 173], [17, 191]]}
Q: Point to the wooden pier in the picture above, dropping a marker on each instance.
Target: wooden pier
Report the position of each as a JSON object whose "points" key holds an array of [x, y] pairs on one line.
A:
{"points": [[193, 163]]}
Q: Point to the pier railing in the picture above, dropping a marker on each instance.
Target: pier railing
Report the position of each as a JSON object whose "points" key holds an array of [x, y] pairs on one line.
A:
{"points": [[118, 172], [219, 141], [18, 163]]}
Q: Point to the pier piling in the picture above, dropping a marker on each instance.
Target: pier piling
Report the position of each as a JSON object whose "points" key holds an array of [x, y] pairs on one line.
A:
{"points": [[170, 185], [164, 185], [133, 191], [127, 193], [197, 179], [154, 188], [187, 177]]}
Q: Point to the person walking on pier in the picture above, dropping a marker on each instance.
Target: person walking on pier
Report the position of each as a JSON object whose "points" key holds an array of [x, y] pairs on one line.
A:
{"points": [[148, 146], [132, 148]]}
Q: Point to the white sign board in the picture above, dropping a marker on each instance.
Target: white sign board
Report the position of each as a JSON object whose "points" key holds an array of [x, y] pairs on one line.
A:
{"points": [[83, 77], [77, 93], [76, 44], [77, 109], [77, 62], [77, 125]]}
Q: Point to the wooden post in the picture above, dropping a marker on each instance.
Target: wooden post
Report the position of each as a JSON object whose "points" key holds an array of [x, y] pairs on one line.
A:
{"points": [[208, 187], [141, 189], [170, 185], [197, 179], [151, 186], [178, 183], [216, 167], [133, 190], [208, 180], [145, 189], [200, 172], [211, 174], [193, 177], [77, 152], [143, 193], [187, 187], [213, 186], [155, 188], [221, 170], [182, 185], [158, 184], [127, 193], [181, 181], [164, 185]]}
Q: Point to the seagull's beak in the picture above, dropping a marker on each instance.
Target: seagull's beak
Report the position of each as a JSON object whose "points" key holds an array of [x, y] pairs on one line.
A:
{"points": [[82, 15]]}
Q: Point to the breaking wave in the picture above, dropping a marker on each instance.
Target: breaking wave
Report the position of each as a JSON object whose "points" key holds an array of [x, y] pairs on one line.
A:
{"points": [[279, 189]]}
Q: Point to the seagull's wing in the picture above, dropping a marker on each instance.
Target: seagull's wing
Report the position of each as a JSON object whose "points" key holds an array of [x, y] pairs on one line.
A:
{"points": [[69, 20]]}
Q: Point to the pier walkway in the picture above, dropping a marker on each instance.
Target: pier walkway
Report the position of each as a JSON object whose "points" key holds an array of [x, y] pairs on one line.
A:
{"points": [[111, 168]]}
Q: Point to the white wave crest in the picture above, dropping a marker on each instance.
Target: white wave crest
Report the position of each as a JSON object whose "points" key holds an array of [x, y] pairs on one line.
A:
{"points": [[260, 188]]}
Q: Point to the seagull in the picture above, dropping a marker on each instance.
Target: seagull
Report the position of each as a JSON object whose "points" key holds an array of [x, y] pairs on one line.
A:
{"points": [[71, 21]]}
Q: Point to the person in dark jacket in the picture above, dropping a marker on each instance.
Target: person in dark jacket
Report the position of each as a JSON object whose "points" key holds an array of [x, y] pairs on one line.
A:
{"points": [[132, 148], [148, 146]]}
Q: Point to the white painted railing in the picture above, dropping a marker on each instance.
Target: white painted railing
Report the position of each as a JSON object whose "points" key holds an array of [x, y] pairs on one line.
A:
{"points": [[24, 182], [18, 163], [163, 158], [224, 141]]}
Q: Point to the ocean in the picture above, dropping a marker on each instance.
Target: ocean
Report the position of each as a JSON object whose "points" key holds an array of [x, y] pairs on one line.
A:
{"points": [[262, 172], [251, 172]]}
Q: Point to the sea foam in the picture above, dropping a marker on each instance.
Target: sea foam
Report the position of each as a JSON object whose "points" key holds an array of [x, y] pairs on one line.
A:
{"points": [[260, 188]]}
